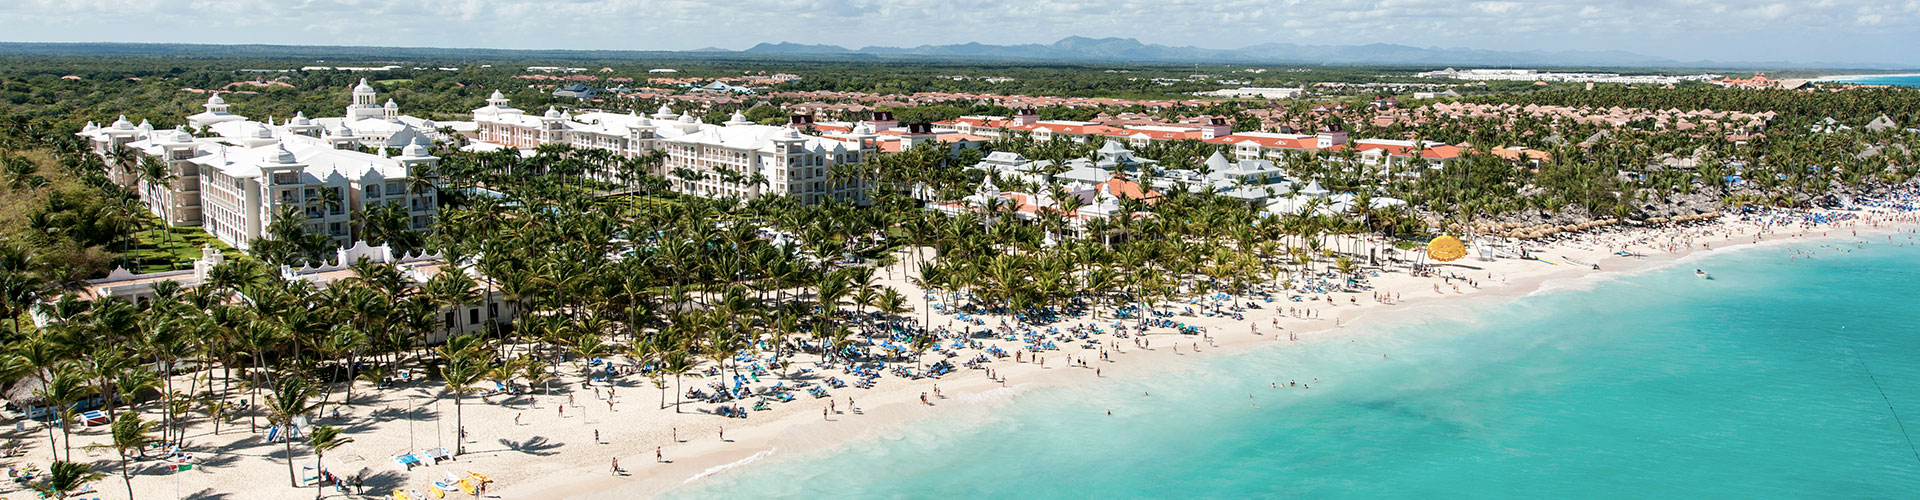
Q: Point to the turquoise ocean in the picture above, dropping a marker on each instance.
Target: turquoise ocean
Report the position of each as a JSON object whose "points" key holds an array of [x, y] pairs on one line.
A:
{"points": [[1903, 81], [1657, 384]]}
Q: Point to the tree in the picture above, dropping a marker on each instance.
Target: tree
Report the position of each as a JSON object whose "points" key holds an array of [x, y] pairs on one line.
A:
{"points": [[463, 365], [64, 386], [130, 437], [63, 478], [323, 439], [292, 397]]}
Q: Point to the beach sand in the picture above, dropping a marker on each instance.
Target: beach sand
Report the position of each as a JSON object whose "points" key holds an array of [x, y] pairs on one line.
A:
{"points": [[546, 455]]}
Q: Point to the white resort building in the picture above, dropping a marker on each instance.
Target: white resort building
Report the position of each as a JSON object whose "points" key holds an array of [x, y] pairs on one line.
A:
{"points": [[737, 158], [235, 182]]}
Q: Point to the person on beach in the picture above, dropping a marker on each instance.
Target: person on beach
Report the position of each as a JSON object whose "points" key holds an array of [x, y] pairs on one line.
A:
{"points": [[614, 469], [657, 456]]}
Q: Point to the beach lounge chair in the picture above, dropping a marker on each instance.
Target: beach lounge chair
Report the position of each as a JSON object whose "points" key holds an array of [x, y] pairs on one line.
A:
{"points": [[407, 461], [437, 454]]}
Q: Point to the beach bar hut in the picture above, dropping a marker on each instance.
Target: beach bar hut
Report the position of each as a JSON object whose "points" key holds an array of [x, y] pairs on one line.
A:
{"points": [[23, 397]]}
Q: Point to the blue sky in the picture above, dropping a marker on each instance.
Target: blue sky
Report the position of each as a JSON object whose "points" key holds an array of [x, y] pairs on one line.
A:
{"points": [[1880, 31]]}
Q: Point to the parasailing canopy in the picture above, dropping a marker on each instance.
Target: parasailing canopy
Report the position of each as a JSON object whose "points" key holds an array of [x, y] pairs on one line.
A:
{"points": [[1446, 249]]}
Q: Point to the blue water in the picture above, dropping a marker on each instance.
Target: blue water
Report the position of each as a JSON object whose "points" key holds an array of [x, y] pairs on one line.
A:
{"points": [[1903, 81], [1753, 385]]}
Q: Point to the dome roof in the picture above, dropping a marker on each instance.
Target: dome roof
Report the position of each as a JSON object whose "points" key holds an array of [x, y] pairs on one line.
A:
{"points": [[363, 88], [737, 117], [664, 110], [497, 95], [144, 125], [180, 135], [90, 127], [281, 155], [790, 134], [300, 118], [390, 103], [688, 119], [414, 150], [343, 131], [863, 129], [643, 122], [215, 99], [262, 132], [552, 113], [122, 123]]}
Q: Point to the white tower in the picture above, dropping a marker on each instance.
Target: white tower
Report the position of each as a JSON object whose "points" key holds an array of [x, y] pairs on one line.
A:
{"points": [[363, 106]]}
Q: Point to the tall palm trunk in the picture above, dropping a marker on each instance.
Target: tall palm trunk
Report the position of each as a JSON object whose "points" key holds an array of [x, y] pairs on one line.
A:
{"points": [[291, 478]]}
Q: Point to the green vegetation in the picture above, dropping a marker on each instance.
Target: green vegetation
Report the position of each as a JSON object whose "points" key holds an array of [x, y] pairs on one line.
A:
{"points": [[565, 272]]}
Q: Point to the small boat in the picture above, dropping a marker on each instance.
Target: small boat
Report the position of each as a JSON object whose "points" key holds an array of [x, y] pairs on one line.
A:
{"points": [[1702, 274]]}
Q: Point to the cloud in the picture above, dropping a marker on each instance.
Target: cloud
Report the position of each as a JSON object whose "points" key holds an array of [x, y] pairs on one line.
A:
{"points": [[1680, 29]]}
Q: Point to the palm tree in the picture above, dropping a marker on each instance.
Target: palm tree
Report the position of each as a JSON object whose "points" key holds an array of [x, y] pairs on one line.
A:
{"points": [[323, 439], [130, 437], [63, 478], [65, 384], [452, 289], [676, 362], [292, 397], [464, 366]]}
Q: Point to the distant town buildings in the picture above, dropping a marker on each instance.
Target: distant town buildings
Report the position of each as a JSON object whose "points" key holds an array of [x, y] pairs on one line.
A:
{"points": [[1529, 75], [1260, 92]]}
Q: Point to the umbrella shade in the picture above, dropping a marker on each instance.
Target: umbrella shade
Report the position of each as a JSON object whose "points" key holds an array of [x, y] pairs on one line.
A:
{"points": [[1446, 249]]}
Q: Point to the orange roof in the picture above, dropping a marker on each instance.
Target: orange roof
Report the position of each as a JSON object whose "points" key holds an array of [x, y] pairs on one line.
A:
{"points": [[1309, 142], [1123, 188]]}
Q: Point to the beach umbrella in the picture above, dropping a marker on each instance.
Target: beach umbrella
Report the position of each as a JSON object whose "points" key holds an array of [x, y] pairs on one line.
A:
{"points": [[1446, 249]]}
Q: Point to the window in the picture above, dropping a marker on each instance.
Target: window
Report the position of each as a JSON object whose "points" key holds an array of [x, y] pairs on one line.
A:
{"points": [[373, 191], [450, 319], [473, 315]]}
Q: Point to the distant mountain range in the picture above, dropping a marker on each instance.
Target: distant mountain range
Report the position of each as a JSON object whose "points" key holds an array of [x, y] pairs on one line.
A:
{"points": [[1076, 48]]}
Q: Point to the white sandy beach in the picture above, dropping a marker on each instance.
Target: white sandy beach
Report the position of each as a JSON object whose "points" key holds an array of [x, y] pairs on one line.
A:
{"points": [[545, 447], [1834, 78]]}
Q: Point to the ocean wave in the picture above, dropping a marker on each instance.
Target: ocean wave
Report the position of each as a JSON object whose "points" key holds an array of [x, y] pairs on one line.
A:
{"points": [[723, 467]]}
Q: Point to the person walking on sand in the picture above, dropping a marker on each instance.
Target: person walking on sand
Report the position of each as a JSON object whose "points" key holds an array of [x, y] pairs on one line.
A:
{"points": [[614, 469], [657, 456]]}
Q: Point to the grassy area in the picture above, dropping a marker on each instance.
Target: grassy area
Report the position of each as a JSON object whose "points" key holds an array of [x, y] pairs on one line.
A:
{"points": [[170, 248]]}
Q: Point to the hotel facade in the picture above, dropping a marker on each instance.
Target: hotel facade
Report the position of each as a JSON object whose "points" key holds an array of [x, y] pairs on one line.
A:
{"points": [[737, 158], [235, 177]]}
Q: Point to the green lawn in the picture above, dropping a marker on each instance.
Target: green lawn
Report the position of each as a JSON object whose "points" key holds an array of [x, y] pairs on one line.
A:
{"points": [[166, 249]]}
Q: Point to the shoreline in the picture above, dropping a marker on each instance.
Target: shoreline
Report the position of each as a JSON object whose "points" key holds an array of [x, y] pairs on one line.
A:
{"points": [[566, 451], [1843, 78], [889, 408]]}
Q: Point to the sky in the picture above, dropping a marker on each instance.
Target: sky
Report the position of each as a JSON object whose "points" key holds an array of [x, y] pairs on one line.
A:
{"points": [[1817, 31]]}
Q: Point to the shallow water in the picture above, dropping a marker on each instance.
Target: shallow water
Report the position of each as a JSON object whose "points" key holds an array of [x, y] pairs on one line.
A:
{"points": [[1660, 384], [1901, 81]]}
